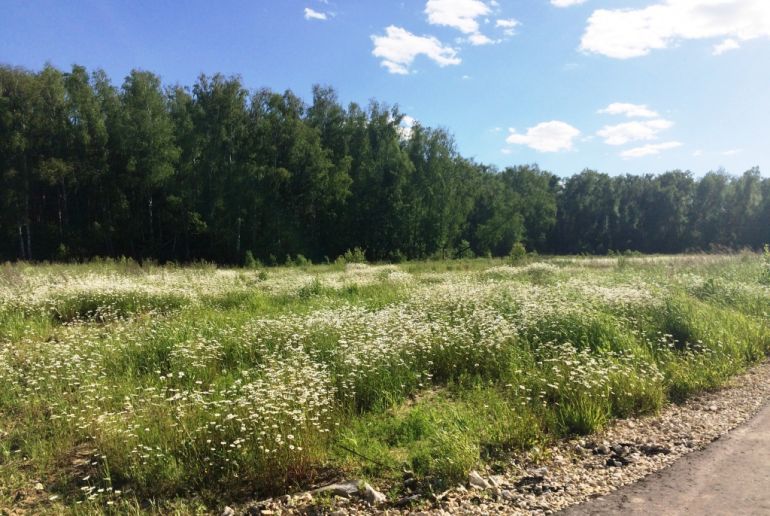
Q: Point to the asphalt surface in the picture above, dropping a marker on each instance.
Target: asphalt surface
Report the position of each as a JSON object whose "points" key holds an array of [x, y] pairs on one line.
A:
{"points": [[731, 476]]}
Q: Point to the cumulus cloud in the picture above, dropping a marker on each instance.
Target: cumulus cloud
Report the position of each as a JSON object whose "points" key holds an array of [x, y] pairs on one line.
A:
{"points": [[566, 3], [627, 33], [621, 134], [553, 136], [458, 14], [630, 110], [461, 15], [649, 150], [311, 14], [725, 46], [398, 48]]}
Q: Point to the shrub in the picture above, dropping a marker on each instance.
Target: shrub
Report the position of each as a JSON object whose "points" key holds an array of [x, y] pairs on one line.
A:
{"points": [[356, 255], [249, 261], [765, 275], [518, 253]]}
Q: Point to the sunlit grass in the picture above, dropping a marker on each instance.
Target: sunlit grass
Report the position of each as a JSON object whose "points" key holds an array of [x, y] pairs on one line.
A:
{"points": [[138, 387]]}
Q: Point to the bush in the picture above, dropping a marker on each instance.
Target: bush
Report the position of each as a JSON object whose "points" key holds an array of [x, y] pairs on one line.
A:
{"points": [[249, 261], [765, 276], [356, 255], [518, 253], [464, 250]]}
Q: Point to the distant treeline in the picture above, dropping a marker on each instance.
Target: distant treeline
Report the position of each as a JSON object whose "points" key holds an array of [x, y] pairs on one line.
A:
{"points": [[216, 171]]}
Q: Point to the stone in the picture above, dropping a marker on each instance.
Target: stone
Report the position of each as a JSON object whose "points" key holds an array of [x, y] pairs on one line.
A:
{"points": [[477, 481], [372, 496], [409, 500], [343, 489]]}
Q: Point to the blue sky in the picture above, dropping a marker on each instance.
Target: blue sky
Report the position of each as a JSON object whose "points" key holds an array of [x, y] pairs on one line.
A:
{"points": [[621, 86]]}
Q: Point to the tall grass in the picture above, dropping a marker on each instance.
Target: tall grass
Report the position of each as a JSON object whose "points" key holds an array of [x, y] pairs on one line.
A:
{"points": [[132, 385]]}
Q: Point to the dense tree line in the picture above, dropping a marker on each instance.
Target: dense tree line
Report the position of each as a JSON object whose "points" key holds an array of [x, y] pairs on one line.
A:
{"points": [[215, 171]]}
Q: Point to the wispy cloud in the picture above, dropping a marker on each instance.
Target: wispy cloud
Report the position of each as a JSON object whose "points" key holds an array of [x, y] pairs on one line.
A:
{"points": [[567, 3], [311, 14], [649, 150], [630, 110]]}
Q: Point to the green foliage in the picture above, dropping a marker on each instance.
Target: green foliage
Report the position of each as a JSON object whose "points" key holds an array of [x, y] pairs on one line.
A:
{"points": [[355, 255], [765, 274], [518, 253], [208, 171], [249, 261]]}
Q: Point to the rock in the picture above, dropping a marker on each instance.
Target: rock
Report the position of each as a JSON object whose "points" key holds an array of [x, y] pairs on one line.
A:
{"points": [[39, 487], [409, 500], [539, 472], [410, 483], [228, 511], [477, 481], [372, 496], [496, 480], [713, 408], [343, 489], [505, 494], [655, 449]]}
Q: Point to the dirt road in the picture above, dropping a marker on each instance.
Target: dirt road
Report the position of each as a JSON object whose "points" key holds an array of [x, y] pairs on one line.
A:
{"points": [[731, 476]]}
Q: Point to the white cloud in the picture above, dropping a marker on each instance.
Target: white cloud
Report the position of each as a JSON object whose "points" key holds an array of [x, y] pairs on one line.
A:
{"points": [[725, 46], [698, 153], [458, 14], [480, 39], [405, 127], [508, 25], [621, 134], [630, 110], [566, 3], [398, 48], [506, 151], [649, 150], [627, 33], [732, 152], [553, 136], [310, 14]]}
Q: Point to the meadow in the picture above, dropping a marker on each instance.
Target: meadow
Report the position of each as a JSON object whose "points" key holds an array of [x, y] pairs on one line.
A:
{"points": [[144, 388]]}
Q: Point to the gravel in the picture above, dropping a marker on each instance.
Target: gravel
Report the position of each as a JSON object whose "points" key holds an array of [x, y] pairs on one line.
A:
{"points": [[578, 469]]}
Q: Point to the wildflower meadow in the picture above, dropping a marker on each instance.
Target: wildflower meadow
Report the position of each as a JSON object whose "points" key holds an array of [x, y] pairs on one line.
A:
{"points": [[146, 388]]}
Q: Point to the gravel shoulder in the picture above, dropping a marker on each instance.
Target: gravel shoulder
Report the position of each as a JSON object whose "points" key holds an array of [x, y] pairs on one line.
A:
{"points": [[730, 476], [727, 477]]}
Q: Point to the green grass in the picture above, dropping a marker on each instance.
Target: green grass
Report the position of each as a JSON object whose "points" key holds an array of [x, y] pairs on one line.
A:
{"points": [[185, 388]]}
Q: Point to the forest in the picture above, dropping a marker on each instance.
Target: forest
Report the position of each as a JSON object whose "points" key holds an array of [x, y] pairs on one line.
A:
{"points": [[219, 172]]}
